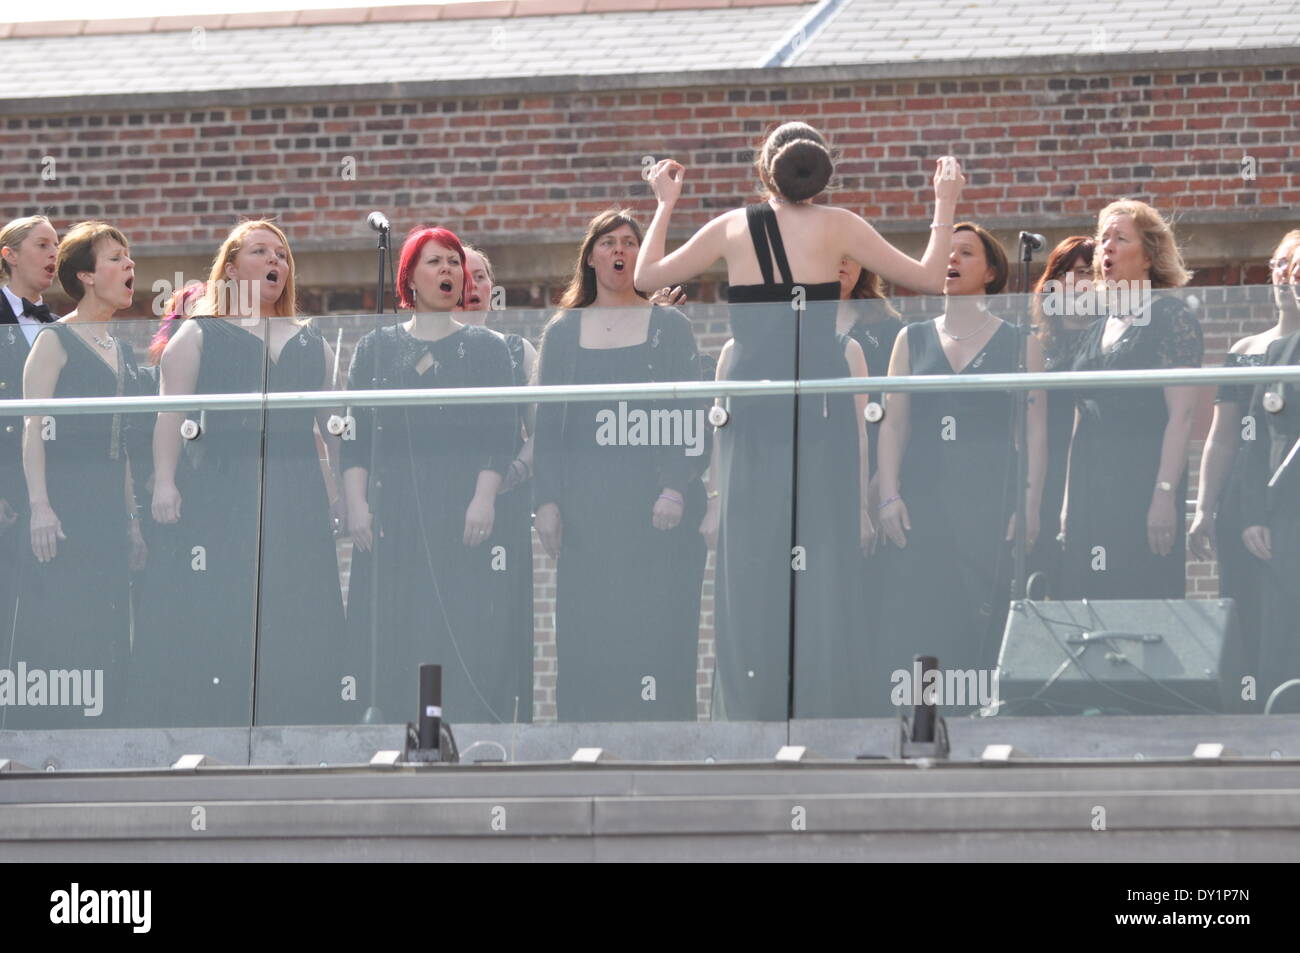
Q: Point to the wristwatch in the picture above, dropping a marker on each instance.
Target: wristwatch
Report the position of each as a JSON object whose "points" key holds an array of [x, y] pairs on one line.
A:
{"points": [[1165, 485]]}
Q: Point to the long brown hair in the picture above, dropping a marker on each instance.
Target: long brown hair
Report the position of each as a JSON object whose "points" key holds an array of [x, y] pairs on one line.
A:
{"points": [[870, 286], [1062, 259], [581, 292]]}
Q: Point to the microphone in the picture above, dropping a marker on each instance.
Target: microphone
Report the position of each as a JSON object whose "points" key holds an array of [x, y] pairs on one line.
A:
{"points": [[1032, 240], [379, 222]]}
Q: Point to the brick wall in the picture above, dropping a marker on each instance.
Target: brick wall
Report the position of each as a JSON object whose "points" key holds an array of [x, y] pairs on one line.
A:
{"points": [[506, 166]]}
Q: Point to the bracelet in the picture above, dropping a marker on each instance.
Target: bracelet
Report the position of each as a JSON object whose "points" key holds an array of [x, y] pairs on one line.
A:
{"points": [[674, 498], [892, 499], [941, 225]]}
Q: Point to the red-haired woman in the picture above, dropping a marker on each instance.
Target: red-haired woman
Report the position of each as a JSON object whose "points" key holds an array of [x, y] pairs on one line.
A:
{"points": [[1062, 312], [74, 593], [783, 258], [245, 545], [421, 484]]}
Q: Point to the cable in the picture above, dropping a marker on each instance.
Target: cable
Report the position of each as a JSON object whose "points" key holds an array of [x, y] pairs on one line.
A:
{"points": [[1072, 657]]}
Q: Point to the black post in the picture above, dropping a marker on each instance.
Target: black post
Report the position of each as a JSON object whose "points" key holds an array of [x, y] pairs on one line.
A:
{"points": [[430, 723], [374, 715], [1020, 421], [924, 713]]}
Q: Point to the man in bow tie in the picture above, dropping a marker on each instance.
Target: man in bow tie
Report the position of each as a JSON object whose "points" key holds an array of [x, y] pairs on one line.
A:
{"points": [[28, 250]]}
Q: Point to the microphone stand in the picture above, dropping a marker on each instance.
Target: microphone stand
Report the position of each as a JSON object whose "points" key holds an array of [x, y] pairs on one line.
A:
{"points": [[374, 715], [1019, 425]]}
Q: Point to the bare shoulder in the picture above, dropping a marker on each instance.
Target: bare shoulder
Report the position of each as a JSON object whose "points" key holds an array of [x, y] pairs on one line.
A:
{"points": [[1253, 344]]}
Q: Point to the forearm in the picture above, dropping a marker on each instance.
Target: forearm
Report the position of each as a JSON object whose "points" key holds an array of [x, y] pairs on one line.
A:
{"points": [[889, 455], [652, 248], [489, 481], [1216, 459], [167, 447], [1173, 448], [939, 246], [354, 486], [864, 450], [34, 461]]}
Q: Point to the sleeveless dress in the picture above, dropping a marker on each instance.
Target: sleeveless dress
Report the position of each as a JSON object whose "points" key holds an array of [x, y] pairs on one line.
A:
{"points": [[72, 613], [194, 652], [627, 608], [951, 582], [302, 655], [788, 554]]}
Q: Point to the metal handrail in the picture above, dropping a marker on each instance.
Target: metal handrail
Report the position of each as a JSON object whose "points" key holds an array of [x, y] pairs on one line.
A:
{"points": [[330, 399]]}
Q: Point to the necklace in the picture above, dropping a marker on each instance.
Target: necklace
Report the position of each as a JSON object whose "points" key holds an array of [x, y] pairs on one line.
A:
{"points": [[105, 342], [952, 337]]}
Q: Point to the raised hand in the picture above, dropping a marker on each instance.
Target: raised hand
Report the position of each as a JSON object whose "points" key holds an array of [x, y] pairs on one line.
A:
{"points": [[666, 180]]}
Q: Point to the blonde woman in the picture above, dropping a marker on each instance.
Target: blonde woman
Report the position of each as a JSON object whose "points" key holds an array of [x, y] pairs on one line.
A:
{"points": [[73, 592], [243, 513], [28, 250], [1122, 520]]}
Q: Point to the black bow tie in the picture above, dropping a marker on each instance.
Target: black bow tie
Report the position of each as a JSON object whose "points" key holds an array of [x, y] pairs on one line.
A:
{"points": [[38, 311]]}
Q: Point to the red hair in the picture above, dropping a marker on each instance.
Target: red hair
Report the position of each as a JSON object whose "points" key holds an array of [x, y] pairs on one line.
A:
{"points": [[179, 307], [420, 236]]}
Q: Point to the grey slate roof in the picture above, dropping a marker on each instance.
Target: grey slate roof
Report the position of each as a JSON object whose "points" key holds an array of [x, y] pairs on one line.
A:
{"points": [[881, 31], [860, 31], [662, 41]]}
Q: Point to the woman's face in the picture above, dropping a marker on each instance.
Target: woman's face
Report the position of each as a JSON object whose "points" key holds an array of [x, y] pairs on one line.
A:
{"points": [[114, 275], [850, 272], [614, 258], [1120, 247], [263, 262], [1081, 270], [479, 296], [32, 262], [968, 267], [1279, 267], [438, 279], [1280, 263]]}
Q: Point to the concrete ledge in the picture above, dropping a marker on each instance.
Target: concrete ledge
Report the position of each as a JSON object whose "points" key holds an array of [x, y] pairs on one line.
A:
{"points": [[1175, 736]]}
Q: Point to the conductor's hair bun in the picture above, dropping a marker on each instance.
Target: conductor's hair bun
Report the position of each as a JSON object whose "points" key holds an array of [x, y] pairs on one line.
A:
{"points": [[801, 169]]}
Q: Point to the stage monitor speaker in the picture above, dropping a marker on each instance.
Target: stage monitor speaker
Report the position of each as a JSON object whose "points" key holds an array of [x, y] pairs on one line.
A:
{"points": [[1121, 657]]}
